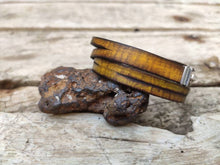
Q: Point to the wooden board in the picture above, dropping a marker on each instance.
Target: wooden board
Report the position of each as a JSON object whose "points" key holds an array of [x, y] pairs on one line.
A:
{"points": [[81, 137], [87, 138], [36, 52], [143, 16]]}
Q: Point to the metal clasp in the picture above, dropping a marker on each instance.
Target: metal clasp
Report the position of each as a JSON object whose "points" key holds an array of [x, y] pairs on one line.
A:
{"points": [[187, 76]]}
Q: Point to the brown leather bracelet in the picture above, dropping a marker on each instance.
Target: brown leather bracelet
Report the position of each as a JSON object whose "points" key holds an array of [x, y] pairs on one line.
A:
{"points": [[141, 70]]}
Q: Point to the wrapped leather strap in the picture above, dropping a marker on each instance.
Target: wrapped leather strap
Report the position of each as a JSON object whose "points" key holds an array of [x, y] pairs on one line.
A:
{"points": [[135, 57], [136, 79], [140, 69]]}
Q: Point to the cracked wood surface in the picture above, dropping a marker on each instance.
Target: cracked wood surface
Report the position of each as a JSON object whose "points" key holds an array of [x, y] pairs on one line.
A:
{"points": [[39, 35], [197, 2]]}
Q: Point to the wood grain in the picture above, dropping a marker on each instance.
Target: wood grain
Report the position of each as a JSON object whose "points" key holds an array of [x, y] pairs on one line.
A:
{"points": [[40, 140], [147, 17], [43, 138], [26, 56], [197, 2]]}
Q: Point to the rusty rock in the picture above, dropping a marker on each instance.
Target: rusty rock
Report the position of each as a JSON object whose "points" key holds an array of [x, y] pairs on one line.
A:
{"points": [[66, 89]]}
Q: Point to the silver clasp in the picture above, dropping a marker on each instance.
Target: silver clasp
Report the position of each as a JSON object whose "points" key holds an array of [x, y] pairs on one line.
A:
{"points": [[187, 76]]}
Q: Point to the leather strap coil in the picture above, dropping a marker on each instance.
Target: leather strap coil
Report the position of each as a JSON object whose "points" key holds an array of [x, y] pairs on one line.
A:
{"points": [[139, 69]]}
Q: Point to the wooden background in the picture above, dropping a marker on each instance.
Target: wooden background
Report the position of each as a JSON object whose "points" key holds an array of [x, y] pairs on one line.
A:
{"points": [[39, 35]]}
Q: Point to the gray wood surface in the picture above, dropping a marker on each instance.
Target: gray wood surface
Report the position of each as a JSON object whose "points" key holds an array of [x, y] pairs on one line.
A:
{"points": [[111, 16], [39, 35]]}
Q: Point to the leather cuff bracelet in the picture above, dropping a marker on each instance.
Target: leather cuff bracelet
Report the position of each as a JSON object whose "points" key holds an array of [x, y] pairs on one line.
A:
{"points": [[141, 70]]}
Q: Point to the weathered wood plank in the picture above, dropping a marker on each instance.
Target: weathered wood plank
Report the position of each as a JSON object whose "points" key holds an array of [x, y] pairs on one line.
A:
{"points": [[37, 138], [177, 117], [160, 113], [198, 2], [27, 55], [143, 16], [19, 100]]}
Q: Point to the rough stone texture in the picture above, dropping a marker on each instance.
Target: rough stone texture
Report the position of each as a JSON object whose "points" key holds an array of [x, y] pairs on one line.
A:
{"points": [[36, 36], [66, 89]]}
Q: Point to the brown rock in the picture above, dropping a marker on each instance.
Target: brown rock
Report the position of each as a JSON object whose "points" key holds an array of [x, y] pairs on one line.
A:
{"points": [[66, 89]]}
